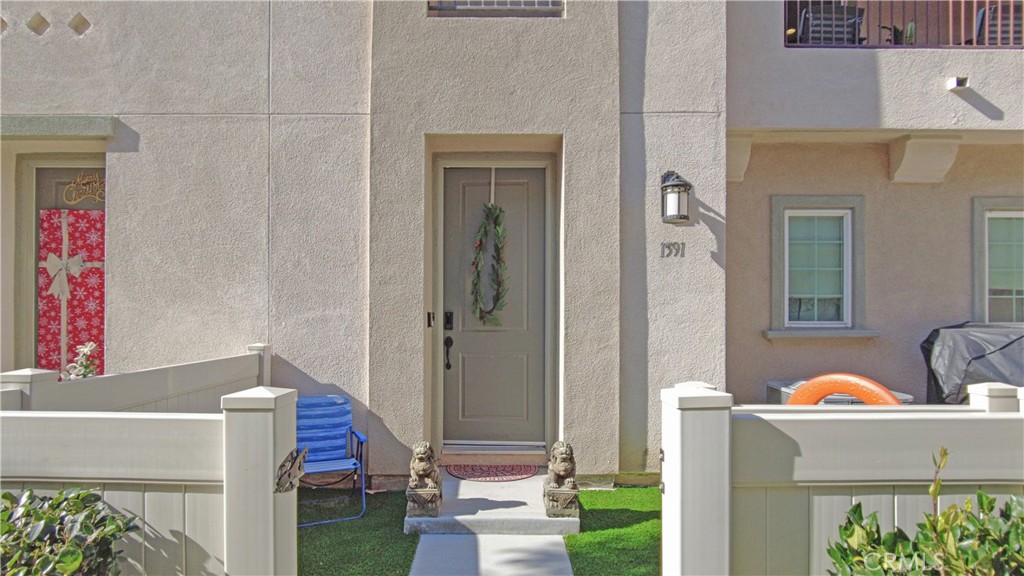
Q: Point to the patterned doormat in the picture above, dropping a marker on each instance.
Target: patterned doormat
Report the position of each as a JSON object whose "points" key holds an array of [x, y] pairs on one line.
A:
{"points": [[491, 473]]}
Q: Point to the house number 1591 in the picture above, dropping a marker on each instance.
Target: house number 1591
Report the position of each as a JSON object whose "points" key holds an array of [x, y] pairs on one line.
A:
{"points": [[672, 249]]}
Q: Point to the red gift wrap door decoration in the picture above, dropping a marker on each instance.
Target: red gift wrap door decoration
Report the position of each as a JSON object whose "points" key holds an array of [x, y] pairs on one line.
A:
{"points": [[70, 284]]}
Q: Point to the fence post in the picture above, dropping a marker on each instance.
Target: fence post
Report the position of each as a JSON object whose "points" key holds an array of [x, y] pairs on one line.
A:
{"points": [[24, 381], [260, 534], [994, 397], [696, 485], [265, 351]]}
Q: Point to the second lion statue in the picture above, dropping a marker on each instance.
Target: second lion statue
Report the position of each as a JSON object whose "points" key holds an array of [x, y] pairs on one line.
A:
{"points": [[423, 467], [561, 466]]}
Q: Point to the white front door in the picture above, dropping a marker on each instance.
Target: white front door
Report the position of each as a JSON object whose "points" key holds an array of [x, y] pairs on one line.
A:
{"points": [[493, 363]]}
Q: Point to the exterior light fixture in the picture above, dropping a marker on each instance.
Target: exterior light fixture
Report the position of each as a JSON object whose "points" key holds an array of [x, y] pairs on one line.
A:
{"points": [[675, 198]]}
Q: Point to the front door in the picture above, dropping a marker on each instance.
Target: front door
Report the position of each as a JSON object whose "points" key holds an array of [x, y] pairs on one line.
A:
{"points": [[494, 352]]}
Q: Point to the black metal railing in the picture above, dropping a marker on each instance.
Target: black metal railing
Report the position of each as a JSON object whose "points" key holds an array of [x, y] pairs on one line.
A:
{"points": [[904, 23]]}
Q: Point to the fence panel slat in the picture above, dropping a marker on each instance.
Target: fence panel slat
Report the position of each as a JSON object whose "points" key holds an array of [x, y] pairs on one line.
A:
{"points": [[878, 499], [789, 513], [129, 499], [748, 524], [828, 510], [165, 529], [911, 504], [204, 522]]}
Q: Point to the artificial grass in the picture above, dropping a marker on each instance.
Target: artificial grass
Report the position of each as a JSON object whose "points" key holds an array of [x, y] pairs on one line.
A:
{"points": [[372, 545], [620, 533]]}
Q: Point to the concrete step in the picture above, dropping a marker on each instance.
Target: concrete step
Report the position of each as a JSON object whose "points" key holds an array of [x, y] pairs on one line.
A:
{"points": [[471, 507]]}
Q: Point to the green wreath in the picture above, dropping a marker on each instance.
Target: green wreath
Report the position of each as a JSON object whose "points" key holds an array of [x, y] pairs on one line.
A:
{"points": [[494, 217]]}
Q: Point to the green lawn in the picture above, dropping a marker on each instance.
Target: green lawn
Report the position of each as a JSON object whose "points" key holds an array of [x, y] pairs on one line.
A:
{"points": [[620, 533], [372, 545]]}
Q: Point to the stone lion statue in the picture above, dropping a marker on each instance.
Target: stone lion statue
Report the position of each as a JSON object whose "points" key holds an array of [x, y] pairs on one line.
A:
{"points": [[423, 467], [561, 466]]}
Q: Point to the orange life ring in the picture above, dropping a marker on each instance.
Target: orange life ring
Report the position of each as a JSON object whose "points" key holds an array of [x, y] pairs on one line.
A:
{"points": [[816, 389]]}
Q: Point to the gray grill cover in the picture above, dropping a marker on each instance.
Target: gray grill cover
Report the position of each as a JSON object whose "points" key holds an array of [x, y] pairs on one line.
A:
{"points": [[971, 353]]}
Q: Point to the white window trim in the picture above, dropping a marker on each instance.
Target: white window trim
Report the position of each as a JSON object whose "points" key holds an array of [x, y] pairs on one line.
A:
{"points": [[989, 215], [847, 216], [981, 207]]}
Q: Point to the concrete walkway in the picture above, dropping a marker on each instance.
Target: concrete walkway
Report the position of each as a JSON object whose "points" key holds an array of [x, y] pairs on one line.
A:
{"points": [[490, 555], [492, 528]]}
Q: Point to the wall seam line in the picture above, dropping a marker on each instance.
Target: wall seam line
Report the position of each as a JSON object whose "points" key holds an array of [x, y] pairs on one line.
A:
{"points": [[270, 169]]}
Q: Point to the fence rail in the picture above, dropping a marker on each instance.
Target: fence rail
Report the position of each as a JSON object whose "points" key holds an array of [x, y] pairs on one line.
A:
{"points": [[904, 24], [762, 489], [194, 387], [202, 485]]}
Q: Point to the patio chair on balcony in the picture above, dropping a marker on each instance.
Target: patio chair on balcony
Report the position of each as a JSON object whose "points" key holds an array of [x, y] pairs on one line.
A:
{"points": [[996, 28], [830, 25], [324, 427]]}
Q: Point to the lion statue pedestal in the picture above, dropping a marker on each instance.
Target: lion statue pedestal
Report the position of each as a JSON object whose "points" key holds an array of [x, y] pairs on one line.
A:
{"points": [[561, 495], [423, 496]]}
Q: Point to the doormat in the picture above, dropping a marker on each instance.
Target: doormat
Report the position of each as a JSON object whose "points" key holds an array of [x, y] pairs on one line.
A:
{"points": [[491, 473]]}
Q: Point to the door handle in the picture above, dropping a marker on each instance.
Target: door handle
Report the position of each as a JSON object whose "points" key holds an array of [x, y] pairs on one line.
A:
{"points": [[448, 342]]}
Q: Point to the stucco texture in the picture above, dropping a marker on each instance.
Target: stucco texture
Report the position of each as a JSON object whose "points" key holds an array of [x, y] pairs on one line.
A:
{"points": [[917, 260], [137, 57], [186, 239], [318, 254], [495, 76]]}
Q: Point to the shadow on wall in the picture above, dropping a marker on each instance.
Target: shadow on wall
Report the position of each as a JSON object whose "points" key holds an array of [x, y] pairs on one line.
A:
{"points": [[716, 224], [393, 455], [125, 138], [633, 372]]}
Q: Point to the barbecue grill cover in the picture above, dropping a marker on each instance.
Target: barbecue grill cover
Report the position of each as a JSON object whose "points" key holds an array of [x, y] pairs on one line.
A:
{"points": [[971, 353]]}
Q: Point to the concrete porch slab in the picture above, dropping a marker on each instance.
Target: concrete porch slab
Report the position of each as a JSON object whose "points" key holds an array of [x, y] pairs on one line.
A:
{"points": [[493, 508], [490, 555]]}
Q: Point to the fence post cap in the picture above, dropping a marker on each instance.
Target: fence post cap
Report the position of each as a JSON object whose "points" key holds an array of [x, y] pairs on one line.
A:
{"points": [[695, 395], [27, 375], [993, 389], [259, 398]]}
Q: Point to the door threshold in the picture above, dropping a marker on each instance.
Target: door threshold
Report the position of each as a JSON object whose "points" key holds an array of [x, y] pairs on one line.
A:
{"points": [[481, 453]]}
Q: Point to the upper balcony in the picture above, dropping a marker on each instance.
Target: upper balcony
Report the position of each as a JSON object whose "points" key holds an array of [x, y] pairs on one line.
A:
{"points": [[877, 70], [904, 24]]}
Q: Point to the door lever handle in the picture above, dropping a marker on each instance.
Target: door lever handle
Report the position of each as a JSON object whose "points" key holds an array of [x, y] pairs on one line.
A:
{"points": [[448, 342]]}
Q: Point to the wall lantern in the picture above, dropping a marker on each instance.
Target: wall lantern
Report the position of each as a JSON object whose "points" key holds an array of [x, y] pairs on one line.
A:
{"points": [[675, 198]]}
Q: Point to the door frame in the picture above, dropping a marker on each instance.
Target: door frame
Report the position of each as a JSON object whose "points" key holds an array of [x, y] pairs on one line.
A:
{"points": [[552, 281], [26, 245]]}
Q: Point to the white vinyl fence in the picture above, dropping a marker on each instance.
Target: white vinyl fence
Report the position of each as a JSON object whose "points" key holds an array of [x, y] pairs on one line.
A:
{"points": [[202, 485], [762, 489], [195, 387]]}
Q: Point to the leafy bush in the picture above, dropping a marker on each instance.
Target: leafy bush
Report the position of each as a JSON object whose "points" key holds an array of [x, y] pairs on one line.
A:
{"points": [[72, 532], [954, 541]]}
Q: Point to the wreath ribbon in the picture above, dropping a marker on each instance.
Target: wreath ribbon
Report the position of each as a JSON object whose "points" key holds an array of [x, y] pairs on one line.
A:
{"points": [[494, 218]]}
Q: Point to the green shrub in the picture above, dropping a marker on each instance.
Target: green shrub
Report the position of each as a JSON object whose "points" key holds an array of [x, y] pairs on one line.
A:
{"points": [[957, 540], [73, 532]]}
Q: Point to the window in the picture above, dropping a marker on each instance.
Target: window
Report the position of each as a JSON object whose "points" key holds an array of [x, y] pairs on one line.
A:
{"points": [[495, 8], [818, 267], [999, 259]]}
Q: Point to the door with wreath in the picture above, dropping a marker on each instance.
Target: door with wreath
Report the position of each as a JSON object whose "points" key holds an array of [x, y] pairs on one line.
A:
{"points": [[494, 265]]}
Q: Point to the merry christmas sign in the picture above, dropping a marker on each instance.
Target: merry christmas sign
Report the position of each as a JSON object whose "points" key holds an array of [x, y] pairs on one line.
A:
{"points": [[70, 286]]}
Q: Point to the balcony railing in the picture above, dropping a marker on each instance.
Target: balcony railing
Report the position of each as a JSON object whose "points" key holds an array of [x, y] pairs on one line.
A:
{"points": [[904, 23], [485, 8]]}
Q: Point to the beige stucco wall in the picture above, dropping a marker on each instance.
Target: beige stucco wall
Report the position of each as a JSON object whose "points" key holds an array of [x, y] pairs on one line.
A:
{"points": [[673, 118], [917, 253], [236, 181], [495, 76], [771, 86]]}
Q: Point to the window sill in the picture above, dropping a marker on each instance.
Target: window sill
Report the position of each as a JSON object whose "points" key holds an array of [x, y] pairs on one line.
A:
{"points": [[819, 333]]}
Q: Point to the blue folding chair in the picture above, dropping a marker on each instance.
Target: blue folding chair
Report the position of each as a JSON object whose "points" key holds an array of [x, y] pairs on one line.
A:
{"points": [[324, 427]]}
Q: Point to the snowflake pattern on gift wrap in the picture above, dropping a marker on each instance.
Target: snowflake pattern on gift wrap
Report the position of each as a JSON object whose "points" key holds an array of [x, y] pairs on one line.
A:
{"points": [[85, 304]]}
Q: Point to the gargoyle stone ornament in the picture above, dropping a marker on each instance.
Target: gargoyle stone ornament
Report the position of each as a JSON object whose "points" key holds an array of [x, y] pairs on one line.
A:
{"points": [[423, 495], [561, 495]]}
